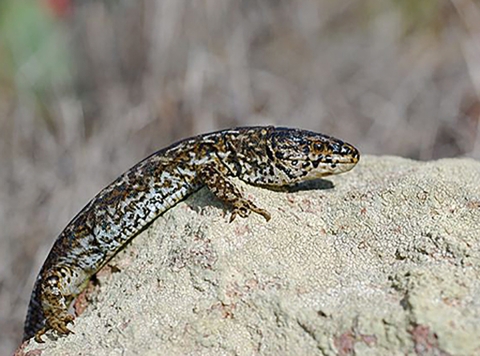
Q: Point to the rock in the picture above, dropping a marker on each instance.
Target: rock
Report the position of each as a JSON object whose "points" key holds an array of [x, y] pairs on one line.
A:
{"points": [[383, 261]]}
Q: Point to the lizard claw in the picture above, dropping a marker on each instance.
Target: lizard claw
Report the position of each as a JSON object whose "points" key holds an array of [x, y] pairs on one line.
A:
{"points": [[58, 324], [38, 335], [244, 211], [240, 211]]}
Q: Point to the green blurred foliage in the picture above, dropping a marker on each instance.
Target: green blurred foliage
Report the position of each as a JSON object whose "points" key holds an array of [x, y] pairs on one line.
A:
{"points": [[33, 51], [419, 15]]}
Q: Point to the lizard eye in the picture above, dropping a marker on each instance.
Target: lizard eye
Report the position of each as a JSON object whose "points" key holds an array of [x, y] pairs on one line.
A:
{"points": [[294, 162]]}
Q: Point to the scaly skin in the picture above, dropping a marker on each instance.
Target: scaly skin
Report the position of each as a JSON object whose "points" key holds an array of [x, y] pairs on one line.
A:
{"points": [[264, 156]]}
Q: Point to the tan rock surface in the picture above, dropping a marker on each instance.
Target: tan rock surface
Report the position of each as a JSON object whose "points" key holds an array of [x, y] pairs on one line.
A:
{"points": [[383, 261]]}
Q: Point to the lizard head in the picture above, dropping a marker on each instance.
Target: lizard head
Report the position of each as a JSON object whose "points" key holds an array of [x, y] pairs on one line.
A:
{"points": [[301, 155]]}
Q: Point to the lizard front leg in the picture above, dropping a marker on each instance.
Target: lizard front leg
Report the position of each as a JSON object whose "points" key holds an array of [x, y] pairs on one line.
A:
{"points": [[55, 299], [227, 192]]}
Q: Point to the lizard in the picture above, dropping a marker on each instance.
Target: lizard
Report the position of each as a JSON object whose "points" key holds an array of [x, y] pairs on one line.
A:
{"points": [[265, 156]]}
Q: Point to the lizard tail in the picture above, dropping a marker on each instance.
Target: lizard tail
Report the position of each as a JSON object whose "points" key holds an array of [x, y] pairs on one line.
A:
{"points": [[35, 320]]}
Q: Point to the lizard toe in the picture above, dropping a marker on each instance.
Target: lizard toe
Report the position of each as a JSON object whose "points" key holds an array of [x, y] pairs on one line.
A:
{"points": [[59, 323]]}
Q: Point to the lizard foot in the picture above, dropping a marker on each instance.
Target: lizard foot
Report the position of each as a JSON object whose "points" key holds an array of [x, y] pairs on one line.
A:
{"points": [[58, 323], [245, 209]]}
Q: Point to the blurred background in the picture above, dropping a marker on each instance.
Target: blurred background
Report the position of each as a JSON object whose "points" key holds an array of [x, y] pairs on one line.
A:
{"points": [[88, 88]]}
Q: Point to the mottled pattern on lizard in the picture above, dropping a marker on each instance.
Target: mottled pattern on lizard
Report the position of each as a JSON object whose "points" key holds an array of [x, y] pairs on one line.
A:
{"points": [[263, 156]]}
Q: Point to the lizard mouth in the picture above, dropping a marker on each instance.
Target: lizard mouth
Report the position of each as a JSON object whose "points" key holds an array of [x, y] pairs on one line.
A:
{"points": [[326, 169], [328, 166]]}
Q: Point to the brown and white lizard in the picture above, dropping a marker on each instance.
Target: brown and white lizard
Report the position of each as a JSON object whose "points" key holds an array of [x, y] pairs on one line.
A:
{"points": [[264, 156]]}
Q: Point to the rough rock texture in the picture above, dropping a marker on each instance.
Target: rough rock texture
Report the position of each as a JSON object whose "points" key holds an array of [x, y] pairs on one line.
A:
{"points": [[384, 260]]}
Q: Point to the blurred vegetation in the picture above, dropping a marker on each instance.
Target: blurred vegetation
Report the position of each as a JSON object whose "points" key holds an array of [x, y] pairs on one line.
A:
{"points": [[88, 88], [30, 34], [420, 15]]}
